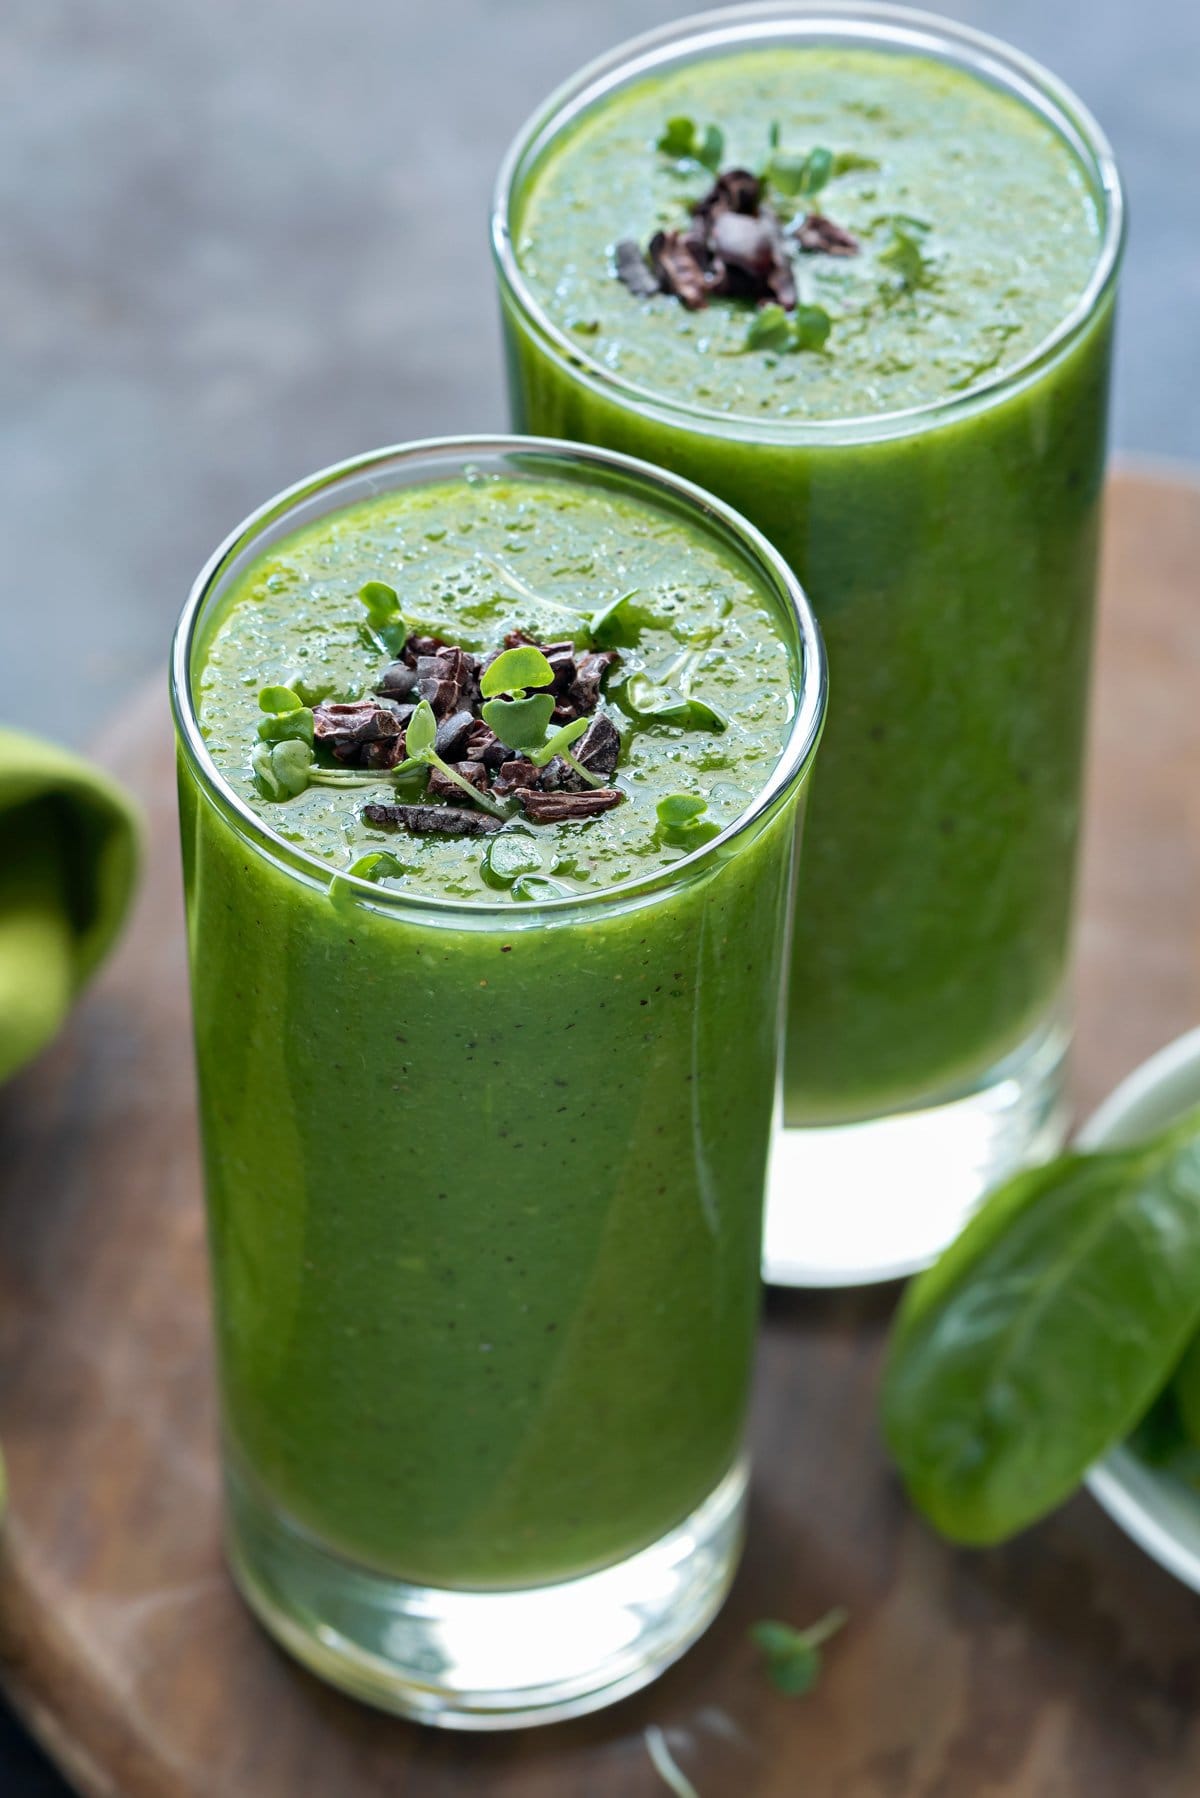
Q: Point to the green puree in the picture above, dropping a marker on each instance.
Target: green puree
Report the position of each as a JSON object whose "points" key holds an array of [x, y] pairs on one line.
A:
{"points": [[471, 563], [949, 555], [485, 1182], [999, 205]]}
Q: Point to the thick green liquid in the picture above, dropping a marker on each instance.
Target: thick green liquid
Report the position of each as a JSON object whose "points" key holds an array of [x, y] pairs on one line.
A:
{"points": [[485, 1186], [951, 559]]}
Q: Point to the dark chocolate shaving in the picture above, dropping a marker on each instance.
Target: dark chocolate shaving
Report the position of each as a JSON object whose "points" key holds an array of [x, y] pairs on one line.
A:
{"points": [[360, 734], [737, 190], [514, 774], [421, 646], [560, 808], [733, 247], [454, 734], [397, 682], [584, 693], [820, 235], [432, 820], [752, 257], [634, 271], [445, 679], [442, 787], [679, 260], [598, 748], [483, 745]]}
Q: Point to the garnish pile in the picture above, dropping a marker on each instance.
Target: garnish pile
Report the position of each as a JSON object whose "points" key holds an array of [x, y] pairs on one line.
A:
{"points": [[466, 727]]}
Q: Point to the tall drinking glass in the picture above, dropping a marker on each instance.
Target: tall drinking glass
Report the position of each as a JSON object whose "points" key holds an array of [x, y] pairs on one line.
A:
{"points": [[948, 544], [485, 1186]]}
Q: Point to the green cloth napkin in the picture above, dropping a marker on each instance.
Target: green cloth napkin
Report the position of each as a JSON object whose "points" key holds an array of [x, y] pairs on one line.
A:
{"points": [[69, 841]]}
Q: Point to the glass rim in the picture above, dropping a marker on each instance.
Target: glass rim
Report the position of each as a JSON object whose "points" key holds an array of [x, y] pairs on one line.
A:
{"points": [[869, 23], [795, 757]]}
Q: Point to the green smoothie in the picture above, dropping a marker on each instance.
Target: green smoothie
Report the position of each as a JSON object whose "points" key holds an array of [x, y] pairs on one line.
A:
{"points": [[485, 1128], [910, 437]]}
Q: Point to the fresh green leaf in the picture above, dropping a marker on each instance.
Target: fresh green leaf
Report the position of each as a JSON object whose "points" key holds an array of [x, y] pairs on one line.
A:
{"points": [[421, 731], [680, 808], [904, 254], [793, 1656], [678, 137], [281, 727], [515, 671], [681, 140], [559, 743], [810, 327], [281, 769], [798, 177], [650, 702], [532, 887], [1043, 1332], [608, 615], [769, 329], [382, 602], [520, 723], [279, 699], [510, 854], [712, 148], [378, 865]]}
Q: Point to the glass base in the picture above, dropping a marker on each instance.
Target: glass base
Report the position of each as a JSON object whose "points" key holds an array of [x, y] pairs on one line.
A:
{"points": [[852, 1204], [487, 1660]]}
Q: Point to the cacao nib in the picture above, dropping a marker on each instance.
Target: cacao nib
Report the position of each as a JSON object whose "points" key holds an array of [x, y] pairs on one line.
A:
{"points": [[421, 646], [483, 745], [598, 748], [445, 678], [593, 665], [432, 820], [559, 808], [679, 260], [737, 190], [453, 734], [519, 772], [818, 234], [442, 787], [634, 271], [360, 733], [397, 682]]}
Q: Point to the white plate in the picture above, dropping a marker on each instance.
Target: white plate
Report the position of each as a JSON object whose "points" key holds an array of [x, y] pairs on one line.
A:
{"points": [[1160, 1513]]}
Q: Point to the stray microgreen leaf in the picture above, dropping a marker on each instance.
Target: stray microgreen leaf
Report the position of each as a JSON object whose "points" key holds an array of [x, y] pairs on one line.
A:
{"points": [[679, 139], [904, 253], [281, 770], [606, 615], [279, 699], [520, 723], [287, 716], [510, 854], [795, 176], [421, 731], [793, 1656], [531, 887], [807, 328], [559, 743], [651, 702], [515, 671], [377, 865], [383, 614], [681, 820]]}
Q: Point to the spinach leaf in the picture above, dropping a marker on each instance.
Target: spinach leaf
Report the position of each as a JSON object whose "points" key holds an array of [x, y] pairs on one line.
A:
{"points": [[1043, 1333]]}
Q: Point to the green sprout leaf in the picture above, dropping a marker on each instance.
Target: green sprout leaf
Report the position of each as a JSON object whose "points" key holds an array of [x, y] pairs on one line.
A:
{"points": [[515, 671], [798, 177], [811, 326], [680, 808], [510, 854], [531, 887], [650, 702], [770, 329], [904, 253], [282, 727], [376, 866], [421, 731], [793, 1656], [559, 743], [602, 620], [383, 614], [520, 723], [281, 770], [279, 699], [679, 139]]}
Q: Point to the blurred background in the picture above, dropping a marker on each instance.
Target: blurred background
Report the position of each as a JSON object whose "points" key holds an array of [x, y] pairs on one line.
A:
{"points": [[244, 238]]}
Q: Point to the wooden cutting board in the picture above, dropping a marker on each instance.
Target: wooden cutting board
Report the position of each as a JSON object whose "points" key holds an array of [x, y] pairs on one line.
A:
{"points": [[1065, 1664]]}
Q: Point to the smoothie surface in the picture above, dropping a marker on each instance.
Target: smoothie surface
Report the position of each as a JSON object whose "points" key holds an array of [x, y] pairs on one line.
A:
{"points": [[976, 226], [471, 561]]}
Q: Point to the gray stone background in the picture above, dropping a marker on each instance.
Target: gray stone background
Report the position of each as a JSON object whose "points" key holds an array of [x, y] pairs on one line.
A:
{"points": [[240, 239]]}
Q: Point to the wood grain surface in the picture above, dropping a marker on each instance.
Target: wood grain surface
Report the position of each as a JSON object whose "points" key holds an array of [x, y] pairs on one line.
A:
{"points": [[1064, 1664]]}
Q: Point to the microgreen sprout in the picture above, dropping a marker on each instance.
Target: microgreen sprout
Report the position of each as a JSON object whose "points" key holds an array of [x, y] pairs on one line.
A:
{"points": [[419, 739], [375, 866], [383, 615], [771, 328], [904, 253], [286, 716], [796, 176], [532, 887], [509, 855], [681, 140], [281, 770], [521, 720], [681, 820], [654, 702], [606, 615], [793, 1656]]}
